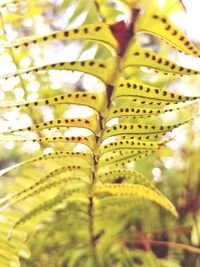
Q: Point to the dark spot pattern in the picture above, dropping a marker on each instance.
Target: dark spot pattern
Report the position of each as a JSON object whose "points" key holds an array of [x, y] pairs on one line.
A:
{"points": [[168, 27], [98, 28], [66, 33], [174, 32], [102, 65], [85, 30]]}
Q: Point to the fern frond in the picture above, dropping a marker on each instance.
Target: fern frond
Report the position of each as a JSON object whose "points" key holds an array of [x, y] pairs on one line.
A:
{"points": [[130, 144], [123, 174], [134, 88], [89, 141], [53, 155], [93, 32], [47, 205], [68, 170], [85, 188], [118, 158], [102, 70], [138, 131], [92, 100], [90, 123], [129, 159], [165, 30], [40, 187], [136, 191], [142, 57], [138, 112]]}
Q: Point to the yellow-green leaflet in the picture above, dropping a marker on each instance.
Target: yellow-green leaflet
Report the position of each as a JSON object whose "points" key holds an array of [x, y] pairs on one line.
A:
{"points": [[90, 123], [141, 57], [166, 30], [116, 156], [102, 70], [139, 131], [134, 88], [121, 163], [18, 237], [132, 175], [136, 112], [47, 205], [79, 172], [93, 100], [35, 190], [94, 32], [58, 154], [10, 249], [142, 101], [137, 191], [141, 137], [128, 144], [86, 140], [8, 258]]}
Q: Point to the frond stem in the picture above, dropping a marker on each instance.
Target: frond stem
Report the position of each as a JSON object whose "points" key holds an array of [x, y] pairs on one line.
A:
{"points": [[91, 231], [103, 19]]}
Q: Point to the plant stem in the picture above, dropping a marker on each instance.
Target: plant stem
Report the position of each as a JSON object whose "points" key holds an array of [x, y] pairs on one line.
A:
{"points": [[93, 239], [91, 231], [176, 230], [109, 91], [99, 12], [166, 244]]}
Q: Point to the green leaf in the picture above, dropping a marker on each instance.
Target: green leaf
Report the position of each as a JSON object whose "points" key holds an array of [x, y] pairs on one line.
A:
{"points": [[129, 159], [138, 131], [71, 172], [86, 140], [50, 204], [110, 175], [93, 100], [8, 255], [165, 30], [90, 123], [102, 70], [120, 155], [129, 144], [8, 261], [58, 154], [38, 188], [137, 112], [92, 32], [134, 88], [137, 191], [141, 57]]}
